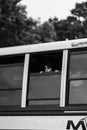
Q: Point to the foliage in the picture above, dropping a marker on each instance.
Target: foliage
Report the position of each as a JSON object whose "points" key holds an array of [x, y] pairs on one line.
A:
{"points": [[80, 10], [46, 32], [12, 22], [17, 29], [74, 26]]}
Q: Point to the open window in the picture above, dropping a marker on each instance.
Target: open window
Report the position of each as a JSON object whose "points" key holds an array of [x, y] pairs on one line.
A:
{"points": [[78, 78], [11, 74], [45, 78]]}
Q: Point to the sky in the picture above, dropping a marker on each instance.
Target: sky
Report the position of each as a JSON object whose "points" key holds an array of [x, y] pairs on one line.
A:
{"points": [[45, 9]]}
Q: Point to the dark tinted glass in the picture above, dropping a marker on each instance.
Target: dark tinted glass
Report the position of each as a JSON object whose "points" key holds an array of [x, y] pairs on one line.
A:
{"points": [[11, 74], [78, 92], [10, 97], [44, 86], [78, 65], [78, 78], [44, 102]]}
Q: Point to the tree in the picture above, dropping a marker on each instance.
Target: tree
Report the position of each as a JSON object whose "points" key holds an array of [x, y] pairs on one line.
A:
{"points": [[62, 28], [29, 35], [74, 26], [46, 32], [80, 10], [17, 29], [12, 22]]}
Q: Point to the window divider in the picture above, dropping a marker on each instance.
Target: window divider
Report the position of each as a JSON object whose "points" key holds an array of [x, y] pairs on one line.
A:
{"points": [[63, 78], [25, 81]]}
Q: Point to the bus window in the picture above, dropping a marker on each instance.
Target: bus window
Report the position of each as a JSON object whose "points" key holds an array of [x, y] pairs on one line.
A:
{"points": [[11, 73], [45, 78], [78, 78]]}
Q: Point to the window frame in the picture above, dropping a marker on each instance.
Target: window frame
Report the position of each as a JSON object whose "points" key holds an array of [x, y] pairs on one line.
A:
{"points": [[63, 76], [2, 65], [24, 106], [25, 80], [67, 104]]}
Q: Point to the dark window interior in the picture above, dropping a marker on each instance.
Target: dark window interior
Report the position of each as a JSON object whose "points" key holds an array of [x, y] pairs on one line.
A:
{"points": [[11, 73], [78, 78], [45, 78]]}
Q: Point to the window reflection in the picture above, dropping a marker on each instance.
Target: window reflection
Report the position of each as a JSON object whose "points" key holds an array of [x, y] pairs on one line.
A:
{"points": [[78, 92], [10, 97], [11, 73], [11, 77], [78, 65], [44, 86], [78, 78]]}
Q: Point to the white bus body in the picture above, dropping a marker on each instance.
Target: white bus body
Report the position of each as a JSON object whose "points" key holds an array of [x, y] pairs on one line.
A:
{"points": [[67, 111]]}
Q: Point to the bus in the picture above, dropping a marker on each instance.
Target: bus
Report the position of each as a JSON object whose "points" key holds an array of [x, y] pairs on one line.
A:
{"points": [[44, 86]]}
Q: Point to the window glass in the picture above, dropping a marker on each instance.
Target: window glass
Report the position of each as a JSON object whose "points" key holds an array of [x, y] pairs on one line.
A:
{"points": [[11, 74], [43, 102], [78, 65], [78, 92], [78, 78], [47, 86], [45, 78], [10, 97]]}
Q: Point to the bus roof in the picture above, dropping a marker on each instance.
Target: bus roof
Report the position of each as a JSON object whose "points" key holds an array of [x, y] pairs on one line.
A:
{"points": [[60, 45]]}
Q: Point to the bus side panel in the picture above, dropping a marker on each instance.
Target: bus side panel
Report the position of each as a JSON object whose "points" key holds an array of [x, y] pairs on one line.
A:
{"points": [[43, 122]]}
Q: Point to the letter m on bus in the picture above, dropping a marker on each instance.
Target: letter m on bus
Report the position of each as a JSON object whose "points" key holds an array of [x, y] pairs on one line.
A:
{"points": [[79, 126]]}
